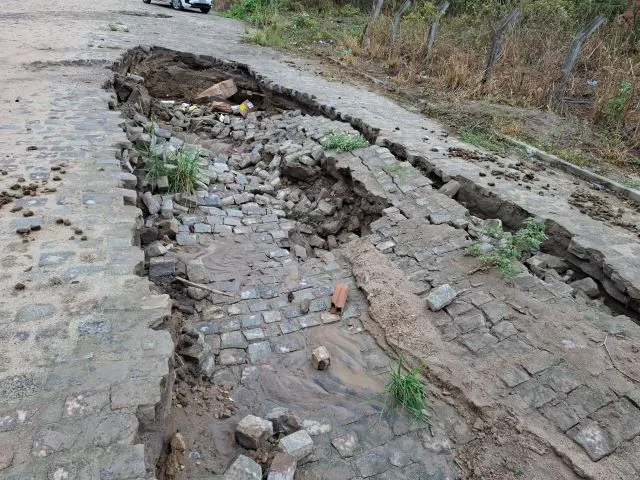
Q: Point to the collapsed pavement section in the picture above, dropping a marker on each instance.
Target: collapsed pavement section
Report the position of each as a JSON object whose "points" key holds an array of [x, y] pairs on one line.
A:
{"points": [[513, 354]]}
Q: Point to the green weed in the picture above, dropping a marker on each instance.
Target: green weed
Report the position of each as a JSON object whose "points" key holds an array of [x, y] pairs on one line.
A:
{"points": [[481, 138], [344, 142], [617, 104], [513, 248], [187, 170], [407, 390], [182, 168]]}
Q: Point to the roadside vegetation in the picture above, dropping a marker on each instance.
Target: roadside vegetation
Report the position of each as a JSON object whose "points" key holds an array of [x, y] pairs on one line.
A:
{"points": [[344, 142], [505, 250], [590, 117], [181, 168], [405, 389]]}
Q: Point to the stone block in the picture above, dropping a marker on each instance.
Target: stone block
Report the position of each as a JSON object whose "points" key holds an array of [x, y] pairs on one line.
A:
{"points": [[161, 267], [253, 432], [186, 239], [283, 467], [244, 469], [298, 444], [440, 297], [196, 271], [320, 358]]}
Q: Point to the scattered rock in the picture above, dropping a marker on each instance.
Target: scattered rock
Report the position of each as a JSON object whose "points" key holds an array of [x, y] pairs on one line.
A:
{"points": [[284, 421], [440, 297], [298, 444], [244, 469], [252, 432], [320, 358], [161, 267]]}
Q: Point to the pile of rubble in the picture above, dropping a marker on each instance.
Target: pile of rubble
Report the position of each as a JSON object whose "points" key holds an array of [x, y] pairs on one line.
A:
{"points": [[253, 165]]}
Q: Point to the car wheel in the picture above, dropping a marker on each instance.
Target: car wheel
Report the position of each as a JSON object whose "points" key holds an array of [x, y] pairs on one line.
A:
{"points": [[176, 4], [205, 9]]}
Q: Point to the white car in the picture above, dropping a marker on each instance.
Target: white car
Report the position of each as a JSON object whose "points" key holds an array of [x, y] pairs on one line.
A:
{"points": [[203, 5]]}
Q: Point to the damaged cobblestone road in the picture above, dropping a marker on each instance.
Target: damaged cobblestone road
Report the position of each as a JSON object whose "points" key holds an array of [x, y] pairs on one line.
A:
{"points": [[532, 378]]}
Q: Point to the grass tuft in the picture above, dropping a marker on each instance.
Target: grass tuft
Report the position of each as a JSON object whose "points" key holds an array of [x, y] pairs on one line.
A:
{"points": [[510, 248], [182, 168], [344, 142], [405, 389]]}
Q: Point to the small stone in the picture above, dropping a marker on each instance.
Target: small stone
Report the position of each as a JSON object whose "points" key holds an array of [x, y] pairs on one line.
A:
{"points": [[440, 297], [19, 286], [320, 358], [283, 467], [252, 432], [298, 444], [27, 213], [152, 205], [244, 469], [304, 306]]}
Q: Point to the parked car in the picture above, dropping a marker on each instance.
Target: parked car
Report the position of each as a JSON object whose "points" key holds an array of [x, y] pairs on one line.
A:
{"points": [[203, 5]]}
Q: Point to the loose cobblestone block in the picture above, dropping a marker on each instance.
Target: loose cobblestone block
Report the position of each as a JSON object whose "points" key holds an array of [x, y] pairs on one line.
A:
{"points": [[244, 469], [298, 444], [253, 432], [440, 297], [196, 271], [595, 440], [320, 358], [186, 239], [162, 267]]}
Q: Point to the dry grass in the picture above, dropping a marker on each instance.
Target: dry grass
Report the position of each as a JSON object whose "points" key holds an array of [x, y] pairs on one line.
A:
{"points": [[527, 68]]}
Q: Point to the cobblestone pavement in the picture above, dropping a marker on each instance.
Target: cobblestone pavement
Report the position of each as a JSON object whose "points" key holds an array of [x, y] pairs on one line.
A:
{"points": [[82, 369]]}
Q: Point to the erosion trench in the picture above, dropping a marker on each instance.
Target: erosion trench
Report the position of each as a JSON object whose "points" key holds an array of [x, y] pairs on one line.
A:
{"points": [[530, 377]]}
